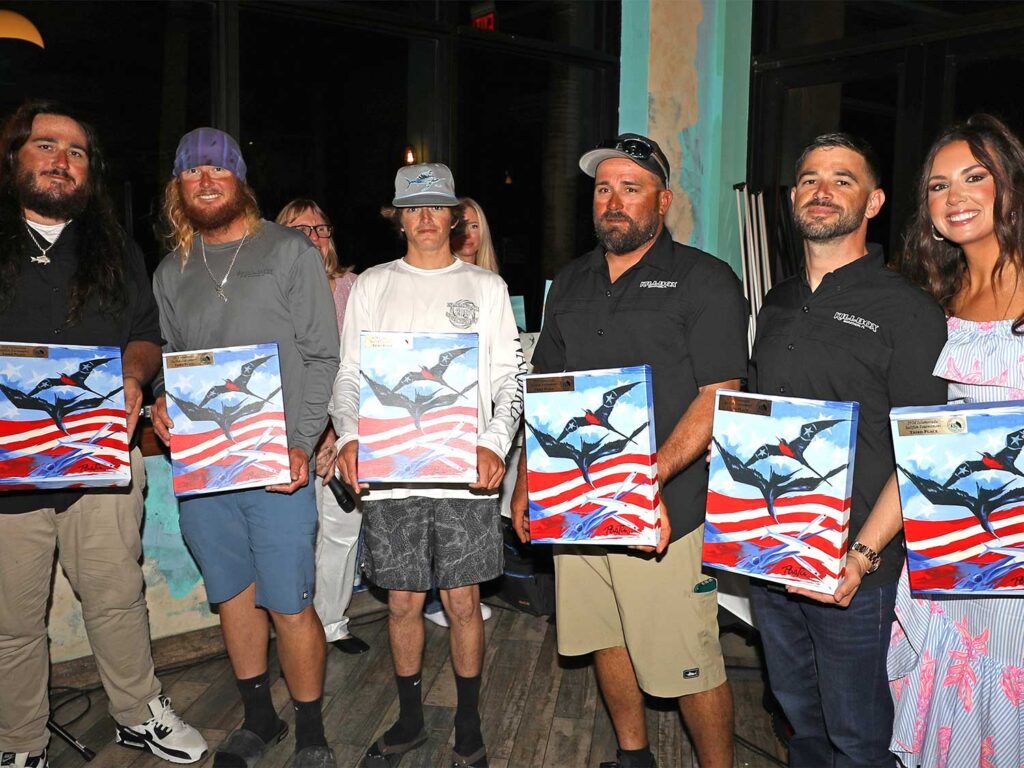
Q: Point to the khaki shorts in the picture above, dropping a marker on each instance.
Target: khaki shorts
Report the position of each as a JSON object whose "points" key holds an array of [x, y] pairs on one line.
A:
{"points": [[612, 598]]}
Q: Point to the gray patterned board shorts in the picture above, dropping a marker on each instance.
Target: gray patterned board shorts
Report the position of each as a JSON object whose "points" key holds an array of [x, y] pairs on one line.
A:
{"points": [[417, 543]]}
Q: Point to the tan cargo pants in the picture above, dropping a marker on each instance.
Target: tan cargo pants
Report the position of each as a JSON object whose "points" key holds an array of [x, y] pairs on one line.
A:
{"points": [[99, 546]]}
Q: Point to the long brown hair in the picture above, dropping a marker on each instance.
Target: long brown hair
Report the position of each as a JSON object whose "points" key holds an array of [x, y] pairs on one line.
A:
{"points": [[299, 206], [181, 232], [102, 271], [940, 266]]}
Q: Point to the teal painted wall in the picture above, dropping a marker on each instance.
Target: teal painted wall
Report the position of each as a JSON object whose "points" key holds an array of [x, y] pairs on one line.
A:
{"points": [[634, 56], [713, 148], [174, 590], [733, 64]]}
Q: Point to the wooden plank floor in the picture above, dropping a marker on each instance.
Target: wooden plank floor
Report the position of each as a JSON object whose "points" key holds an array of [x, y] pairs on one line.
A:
{"points": [[538, 709]]}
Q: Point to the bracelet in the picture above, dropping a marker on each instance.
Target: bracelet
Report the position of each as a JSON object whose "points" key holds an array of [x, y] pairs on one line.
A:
{"points": [[874, 559]]}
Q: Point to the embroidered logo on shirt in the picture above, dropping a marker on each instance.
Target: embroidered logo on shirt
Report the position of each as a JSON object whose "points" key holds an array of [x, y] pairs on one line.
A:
{"points": [[463, 313], [689, 674], [856, 322], [658, 283]]}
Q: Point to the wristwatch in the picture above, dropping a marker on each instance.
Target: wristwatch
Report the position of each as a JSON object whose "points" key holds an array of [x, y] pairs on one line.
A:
{"points": [[873, 557]]}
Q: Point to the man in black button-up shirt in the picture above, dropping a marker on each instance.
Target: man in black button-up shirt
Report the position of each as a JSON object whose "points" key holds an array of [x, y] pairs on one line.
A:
{"points": [[639, 298], [846, 328], [68, 275]]}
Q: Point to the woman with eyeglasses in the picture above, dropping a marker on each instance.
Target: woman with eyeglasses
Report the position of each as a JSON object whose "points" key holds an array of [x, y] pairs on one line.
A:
{"points": [[338, 532], [472, 241]]}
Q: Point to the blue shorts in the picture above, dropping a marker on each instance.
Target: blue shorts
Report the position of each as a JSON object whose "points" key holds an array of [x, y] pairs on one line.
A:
{"points": [[245, 537]]}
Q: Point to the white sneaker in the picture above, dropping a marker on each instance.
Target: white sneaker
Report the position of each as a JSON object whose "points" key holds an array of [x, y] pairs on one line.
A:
{"points": [[439, 617], [165, 735], [22, 760]]}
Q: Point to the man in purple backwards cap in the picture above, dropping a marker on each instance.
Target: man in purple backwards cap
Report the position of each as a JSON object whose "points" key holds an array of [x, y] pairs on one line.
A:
{"points": [[235, 279]]}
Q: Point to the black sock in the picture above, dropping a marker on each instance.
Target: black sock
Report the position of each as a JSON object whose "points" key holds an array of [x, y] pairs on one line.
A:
{"points": [[260, 716], [410, 711], [468, 738], [309, 724], [636, 758]]}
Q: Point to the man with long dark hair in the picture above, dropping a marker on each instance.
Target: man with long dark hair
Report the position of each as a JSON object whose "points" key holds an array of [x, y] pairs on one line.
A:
{"points": [[69, 275], [233, 279]]}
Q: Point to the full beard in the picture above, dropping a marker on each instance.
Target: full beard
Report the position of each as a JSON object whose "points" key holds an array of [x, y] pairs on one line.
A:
{"points": [[823, 231], [209, 219], [52, 203], [625, 240]]}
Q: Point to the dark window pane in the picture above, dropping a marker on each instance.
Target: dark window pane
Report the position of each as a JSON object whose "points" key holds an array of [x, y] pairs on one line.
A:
{"points": [[980, 86], [403, 10], [594, 24], [521, 126], [331, 119], [797, 23]]}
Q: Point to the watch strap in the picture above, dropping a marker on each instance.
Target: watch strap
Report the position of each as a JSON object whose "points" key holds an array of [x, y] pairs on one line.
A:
{"points": [[873, 557]]}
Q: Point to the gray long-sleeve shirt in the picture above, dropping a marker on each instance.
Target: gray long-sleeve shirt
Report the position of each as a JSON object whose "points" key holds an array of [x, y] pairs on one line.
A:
{"points": [[277, 291]]}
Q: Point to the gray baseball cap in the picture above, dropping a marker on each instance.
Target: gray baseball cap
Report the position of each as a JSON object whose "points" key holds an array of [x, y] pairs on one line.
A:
{"points": [[642, 150], [424, 184]]}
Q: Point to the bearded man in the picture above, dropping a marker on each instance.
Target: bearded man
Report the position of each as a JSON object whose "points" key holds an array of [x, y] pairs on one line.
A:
{"points": [[845, 328], [234, 279], [70, 275], [649, 618]]}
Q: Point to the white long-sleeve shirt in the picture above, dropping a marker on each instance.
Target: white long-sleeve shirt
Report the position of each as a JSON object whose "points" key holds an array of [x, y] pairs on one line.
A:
{"points": [[460, 298]]}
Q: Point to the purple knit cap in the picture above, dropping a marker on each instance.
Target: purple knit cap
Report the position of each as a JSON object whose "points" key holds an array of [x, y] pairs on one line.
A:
{"points": [[209, 146]]}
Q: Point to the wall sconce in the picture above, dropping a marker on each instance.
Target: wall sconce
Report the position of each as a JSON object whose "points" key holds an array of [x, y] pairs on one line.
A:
{"points": [[17, 27], [410, 155]]}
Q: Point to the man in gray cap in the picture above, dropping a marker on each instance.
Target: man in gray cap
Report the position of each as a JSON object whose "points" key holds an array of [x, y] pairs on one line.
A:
{"points": [[448, 535], [235, 279], [649, 618]]}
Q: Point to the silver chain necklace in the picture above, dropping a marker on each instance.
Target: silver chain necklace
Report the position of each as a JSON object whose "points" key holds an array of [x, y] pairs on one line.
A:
{"points": [[42, 258], [219, 286]]}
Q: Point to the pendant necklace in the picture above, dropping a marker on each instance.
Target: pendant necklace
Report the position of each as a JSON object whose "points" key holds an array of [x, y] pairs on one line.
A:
{"points": [[42, 258], [219, 286]]}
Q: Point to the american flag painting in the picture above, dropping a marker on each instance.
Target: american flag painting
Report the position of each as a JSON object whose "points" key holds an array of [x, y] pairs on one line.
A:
{"points": [[62, 417], [228, 413], [779, 488], [962, 491], [418, 407], [591, 457]]}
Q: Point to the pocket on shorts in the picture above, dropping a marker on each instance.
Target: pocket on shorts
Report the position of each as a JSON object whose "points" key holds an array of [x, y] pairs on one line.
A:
{"points": [[703, 596]]}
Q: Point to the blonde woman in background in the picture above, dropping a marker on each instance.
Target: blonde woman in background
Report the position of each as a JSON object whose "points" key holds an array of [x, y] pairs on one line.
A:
{"points": [[473, 241], [338, 532]]}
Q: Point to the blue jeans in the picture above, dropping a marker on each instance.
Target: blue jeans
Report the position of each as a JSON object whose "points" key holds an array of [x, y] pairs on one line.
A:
{"points": [[826, 667]]}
